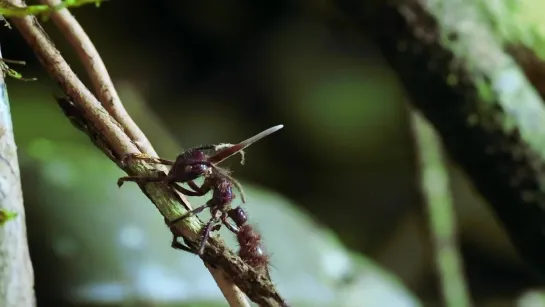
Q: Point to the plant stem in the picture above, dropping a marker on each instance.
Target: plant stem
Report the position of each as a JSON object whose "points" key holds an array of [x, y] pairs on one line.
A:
{"points": [[441, 216]]}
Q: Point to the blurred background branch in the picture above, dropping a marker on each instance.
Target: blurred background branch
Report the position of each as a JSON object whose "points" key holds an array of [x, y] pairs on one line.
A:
{"points": [[16, 273], [435, 186], [491, 119]]}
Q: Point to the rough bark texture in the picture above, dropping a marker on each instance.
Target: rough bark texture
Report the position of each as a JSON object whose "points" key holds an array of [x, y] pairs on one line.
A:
{"points": [[489, 116], [16, 273]]}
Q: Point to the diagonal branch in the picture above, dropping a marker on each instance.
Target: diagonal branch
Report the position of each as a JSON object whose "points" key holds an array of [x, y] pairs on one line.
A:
{"points": [[87, 113], [75, 114], [95, 68]]}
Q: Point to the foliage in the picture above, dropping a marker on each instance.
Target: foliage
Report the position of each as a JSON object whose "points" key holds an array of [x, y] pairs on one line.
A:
{"points": [[8, 10]]}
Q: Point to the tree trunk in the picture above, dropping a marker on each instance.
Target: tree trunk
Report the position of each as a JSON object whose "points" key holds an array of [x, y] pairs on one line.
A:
{"points": [[16, 273]]}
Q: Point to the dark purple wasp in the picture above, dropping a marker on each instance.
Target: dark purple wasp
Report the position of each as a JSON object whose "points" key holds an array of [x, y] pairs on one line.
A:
{"points": [[195, 163]]}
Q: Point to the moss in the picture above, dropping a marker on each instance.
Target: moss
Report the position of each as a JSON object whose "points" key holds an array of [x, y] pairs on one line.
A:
{"points": [[6, 215]]}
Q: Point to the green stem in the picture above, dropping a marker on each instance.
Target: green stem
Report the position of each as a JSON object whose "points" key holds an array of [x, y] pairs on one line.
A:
{"points": [[441, 215], [8, 10]]}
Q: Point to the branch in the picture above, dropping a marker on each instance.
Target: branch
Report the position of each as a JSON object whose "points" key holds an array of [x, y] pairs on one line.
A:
{"points": [[442, 218], [95, 68], [489, 116], [16, 273], [86, 112]]}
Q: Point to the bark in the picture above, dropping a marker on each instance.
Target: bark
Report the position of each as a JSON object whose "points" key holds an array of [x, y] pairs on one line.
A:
{"points": [[465, 81], [16, 273]]}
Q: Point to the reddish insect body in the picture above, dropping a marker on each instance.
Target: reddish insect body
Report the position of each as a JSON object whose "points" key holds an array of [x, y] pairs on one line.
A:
{"points": [[251, 248], [195, 163]]}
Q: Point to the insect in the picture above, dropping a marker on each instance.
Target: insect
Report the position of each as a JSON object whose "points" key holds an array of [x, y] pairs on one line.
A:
{"points": [[251, 248], [194, 163]]}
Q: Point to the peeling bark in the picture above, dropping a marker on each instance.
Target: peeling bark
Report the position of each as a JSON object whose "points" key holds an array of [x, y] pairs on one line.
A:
{"points": [[16, 273]]}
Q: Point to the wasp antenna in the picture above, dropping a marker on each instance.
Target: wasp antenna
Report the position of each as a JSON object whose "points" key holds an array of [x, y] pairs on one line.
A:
{"points": [[226, 153]]}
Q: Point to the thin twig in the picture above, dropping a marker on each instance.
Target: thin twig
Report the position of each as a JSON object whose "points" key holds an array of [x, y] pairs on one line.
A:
{"points": [[88, 114], [441, 215], [95, 68]]}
